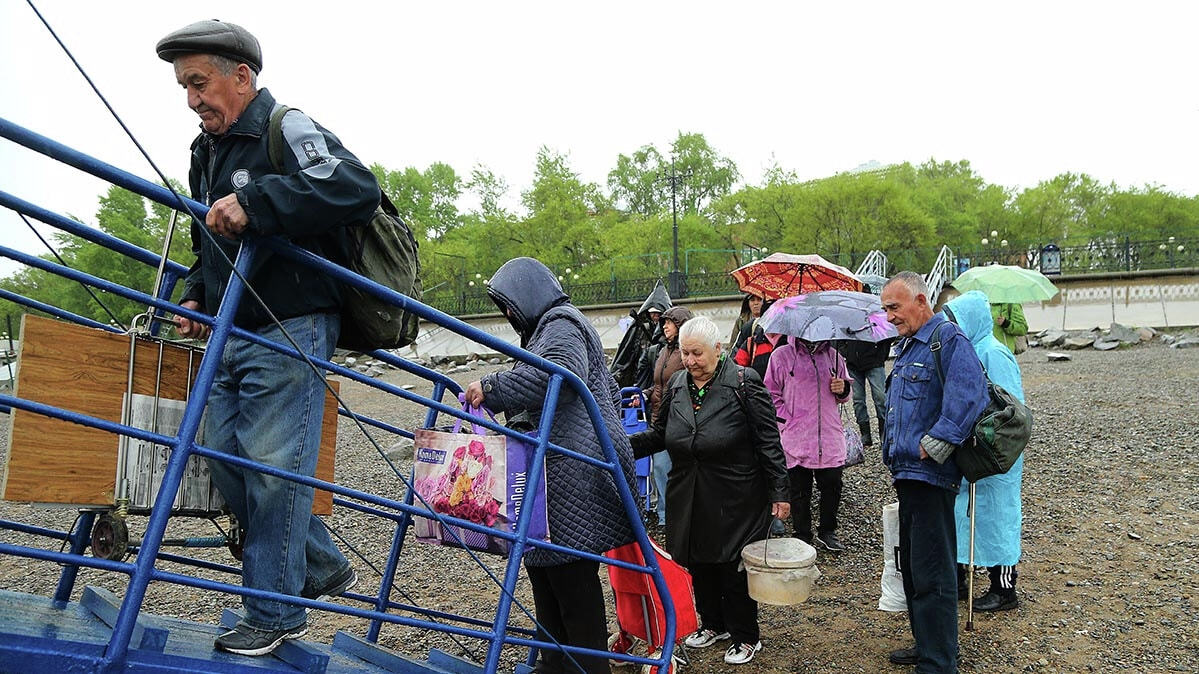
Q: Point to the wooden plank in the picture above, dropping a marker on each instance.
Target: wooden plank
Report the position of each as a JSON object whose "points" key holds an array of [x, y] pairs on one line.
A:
{"points": [[107, 607], [85, 370], [381, 656]]}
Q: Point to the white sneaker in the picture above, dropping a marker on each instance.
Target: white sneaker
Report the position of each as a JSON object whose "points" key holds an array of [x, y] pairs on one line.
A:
{"points": [[739, 654], [704, 638]]}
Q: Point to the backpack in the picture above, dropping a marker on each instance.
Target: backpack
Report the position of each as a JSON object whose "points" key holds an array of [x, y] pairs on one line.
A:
{"points": [[383, 250], [1000, 433]]}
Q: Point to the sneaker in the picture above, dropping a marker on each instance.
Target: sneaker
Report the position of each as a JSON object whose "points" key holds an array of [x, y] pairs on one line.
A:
{"points": [[336, 586], [739, 653], [622, 644], [830, 542], [246, 640], [996, 601], [705, 637], [904, 656]]}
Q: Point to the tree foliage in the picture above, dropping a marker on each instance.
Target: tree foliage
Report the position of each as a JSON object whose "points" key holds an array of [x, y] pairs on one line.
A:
{"points": [[469, 226]]}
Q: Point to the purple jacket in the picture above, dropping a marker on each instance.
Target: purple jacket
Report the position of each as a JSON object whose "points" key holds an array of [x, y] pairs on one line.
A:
{"points": [[808, 413]]}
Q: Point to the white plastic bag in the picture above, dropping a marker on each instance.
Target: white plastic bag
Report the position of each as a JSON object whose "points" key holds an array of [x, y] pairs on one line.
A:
{"points": [[892, 598]]}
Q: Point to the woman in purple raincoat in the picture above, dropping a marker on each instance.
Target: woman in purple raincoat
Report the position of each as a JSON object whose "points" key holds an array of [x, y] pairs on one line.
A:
{"points": [[807, 382]]}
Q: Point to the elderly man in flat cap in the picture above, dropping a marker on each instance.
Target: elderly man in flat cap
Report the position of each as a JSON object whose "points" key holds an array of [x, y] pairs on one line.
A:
{"points": [[265, 406]]}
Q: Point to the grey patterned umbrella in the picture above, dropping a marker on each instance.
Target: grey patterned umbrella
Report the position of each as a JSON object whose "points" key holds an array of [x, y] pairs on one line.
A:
{"points": [[829, 315]]}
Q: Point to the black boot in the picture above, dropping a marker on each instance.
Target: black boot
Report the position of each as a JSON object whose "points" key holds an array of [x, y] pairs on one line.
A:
{"points": [[867, 439], [1002, 594]]}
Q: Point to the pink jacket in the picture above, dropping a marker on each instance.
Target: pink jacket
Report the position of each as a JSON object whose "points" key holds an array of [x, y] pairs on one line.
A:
{"points": [[808, 413]]}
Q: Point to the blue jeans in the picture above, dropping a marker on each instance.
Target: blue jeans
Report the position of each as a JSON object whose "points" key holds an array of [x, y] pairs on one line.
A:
{"points": [[267, 407], [877, 376], [927, 561], [661, 464]]}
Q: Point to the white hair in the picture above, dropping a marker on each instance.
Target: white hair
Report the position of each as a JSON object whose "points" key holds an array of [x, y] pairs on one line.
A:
{"points": [[701, 328]]}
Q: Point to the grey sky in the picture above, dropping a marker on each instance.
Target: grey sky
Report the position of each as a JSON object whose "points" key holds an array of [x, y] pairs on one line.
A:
{"points": [[1024, 90]]}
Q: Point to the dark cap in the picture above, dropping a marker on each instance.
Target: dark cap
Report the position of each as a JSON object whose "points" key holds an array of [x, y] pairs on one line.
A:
{"points": [[212, 37]]}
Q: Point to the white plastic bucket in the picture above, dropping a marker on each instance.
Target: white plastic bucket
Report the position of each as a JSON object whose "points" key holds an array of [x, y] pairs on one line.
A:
{"points": [[781, 571]]}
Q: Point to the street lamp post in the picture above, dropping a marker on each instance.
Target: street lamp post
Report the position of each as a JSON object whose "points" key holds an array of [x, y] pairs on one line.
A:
{"points": [[676, 283]]}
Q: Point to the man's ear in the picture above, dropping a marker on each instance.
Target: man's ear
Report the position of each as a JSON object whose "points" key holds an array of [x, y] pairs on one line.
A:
{"points": [[245, 77]]}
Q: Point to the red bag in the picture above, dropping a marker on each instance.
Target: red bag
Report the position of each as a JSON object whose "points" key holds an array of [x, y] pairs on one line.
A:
{"points": [[639, 609]]}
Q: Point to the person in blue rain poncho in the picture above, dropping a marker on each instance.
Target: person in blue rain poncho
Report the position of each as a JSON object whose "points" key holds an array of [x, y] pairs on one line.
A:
{"points": [[997, 509]]}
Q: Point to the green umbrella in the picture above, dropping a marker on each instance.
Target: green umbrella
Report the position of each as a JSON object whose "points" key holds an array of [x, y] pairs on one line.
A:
{"points": [[1005, 283]]}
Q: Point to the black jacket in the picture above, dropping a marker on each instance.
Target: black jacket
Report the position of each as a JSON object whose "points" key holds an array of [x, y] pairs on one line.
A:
{"points": [[585, 511], [308, 204], [727, 465], [863, 356], [629, 366]]}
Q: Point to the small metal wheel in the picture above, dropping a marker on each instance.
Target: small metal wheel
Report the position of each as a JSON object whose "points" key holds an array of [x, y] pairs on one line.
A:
{"points": [[110, 537], [236, 538]]}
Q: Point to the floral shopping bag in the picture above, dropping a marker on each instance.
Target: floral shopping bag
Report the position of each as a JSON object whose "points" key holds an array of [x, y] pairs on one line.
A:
{"points": [[477, 477]]}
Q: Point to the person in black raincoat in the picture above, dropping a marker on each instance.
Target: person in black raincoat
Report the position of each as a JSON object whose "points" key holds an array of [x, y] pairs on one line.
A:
{"points": [[583, 504], [628, 366], [728, 478]]}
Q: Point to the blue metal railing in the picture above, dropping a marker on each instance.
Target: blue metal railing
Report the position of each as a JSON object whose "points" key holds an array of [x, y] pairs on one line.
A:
{"points": [[499, 632]]}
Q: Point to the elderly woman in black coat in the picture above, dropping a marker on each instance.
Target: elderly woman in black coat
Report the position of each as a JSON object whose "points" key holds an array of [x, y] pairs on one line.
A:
{"points": [[728, 478], [584, 507]]}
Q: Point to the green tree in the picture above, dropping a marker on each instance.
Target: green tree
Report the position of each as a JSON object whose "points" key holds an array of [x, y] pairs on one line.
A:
{"points": [[1060, 209], [427, 200], [123, 215]]}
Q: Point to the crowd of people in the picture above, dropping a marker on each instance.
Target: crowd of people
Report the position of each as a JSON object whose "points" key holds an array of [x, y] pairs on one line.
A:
{"points": [[739, 432]]}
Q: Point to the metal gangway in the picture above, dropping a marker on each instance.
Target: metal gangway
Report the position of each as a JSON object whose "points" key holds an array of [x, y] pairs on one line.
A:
{"points": [[101, 632], [940, 275]]}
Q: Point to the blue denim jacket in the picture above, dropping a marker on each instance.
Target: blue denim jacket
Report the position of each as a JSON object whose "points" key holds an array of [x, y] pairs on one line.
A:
{"points": [[917, 404]]}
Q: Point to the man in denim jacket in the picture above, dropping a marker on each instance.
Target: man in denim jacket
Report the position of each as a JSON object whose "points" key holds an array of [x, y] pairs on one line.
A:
{"points": [[926, 420]]}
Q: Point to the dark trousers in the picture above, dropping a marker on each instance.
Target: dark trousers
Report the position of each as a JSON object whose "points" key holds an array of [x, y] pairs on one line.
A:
{"points": [[723, 602], [828, 480], [927, 561], [570, 607]]}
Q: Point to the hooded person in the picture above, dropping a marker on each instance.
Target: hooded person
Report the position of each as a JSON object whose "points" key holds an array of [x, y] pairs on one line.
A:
{"points": [[998, 512], [628, 366], [584, 506]]}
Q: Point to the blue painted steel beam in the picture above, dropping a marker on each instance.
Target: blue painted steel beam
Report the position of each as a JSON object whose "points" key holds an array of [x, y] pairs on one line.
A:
{"points": [[89, 233], [36, 531], [54, 311], [119, 645], [80, 538], [71, 157]]}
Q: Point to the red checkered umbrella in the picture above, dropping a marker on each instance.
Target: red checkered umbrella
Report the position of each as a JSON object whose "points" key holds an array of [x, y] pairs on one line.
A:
{"points": [[786, 275]]}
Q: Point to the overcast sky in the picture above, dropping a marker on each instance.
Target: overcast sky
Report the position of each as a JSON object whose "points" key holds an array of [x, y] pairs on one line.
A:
{"points": [[1023, 90]]}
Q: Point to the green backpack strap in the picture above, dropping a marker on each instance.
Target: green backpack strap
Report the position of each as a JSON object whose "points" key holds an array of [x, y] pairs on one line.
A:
{"points": [[274, 137]]}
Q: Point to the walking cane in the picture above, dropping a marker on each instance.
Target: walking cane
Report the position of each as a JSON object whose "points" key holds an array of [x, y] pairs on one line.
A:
{"points": [[970, 566]]}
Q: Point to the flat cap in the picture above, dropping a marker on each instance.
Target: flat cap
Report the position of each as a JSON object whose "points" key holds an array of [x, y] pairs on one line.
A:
{"points": [[212, 37]]}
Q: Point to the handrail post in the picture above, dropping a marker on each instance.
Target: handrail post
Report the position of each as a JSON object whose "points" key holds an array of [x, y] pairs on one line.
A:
{"points": [[122, 630]]}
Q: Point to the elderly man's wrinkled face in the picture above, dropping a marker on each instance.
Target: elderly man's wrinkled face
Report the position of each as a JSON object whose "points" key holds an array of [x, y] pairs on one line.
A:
{"points": [[218, 99], [906, 310], [699, 358]]}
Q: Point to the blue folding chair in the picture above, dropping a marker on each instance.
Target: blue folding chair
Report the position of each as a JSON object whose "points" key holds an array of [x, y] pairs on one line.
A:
{"points": [[635, 419]]}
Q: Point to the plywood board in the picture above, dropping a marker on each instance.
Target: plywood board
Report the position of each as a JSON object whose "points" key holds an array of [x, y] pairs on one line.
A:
{"points": [[86, 370]]}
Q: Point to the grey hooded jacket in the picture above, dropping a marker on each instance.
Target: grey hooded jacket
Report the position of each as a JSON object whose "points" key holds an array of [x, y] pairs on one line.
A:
{"points": [[585, 511]]}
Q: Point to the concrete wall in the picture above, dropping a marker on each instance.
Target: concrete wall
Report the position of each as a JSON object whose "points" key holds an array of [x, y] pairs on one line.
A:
{"points": [[1153, 299]]}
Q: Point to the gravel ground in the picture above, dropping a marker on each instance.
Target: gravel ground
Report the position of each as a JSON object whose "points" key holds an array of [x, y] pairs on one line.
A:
{"points": [[1107, 582]]}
